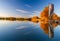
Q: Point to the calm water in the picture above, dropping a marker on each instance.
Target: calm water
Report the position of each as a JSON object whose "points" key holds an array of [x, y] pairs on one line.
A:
{"points": [[25, 31]]}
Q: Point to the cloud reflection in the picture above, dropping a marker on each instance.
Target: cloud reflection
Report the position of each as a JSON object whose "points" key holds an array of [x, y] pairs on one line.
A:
{"points": [[45, 23]]}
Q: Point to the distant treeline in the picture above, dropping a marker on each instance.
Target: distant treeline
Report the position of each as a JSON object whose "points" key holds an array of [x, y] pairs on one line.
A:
{"points": [[13, 18]]}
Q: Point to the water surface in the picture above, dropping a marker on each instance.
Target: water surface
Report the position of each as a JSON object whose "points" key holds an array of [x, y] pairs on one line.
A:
{"points": [[25, 31]]}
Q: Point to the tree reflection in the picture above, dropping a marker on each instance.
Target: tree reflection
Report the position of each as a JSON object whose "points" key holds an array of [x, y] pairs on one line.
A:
{"points": [[44, 20]]}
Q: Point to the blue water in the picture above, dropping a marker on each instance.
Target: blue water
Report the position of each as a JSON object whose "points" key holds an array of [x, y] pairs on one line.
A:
{"points": [[25, 31]]}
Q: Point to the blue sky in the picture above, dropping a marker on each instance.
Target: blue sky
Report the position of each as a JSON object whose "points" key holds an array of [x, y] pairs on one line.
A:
{"points": [[26, 8]]}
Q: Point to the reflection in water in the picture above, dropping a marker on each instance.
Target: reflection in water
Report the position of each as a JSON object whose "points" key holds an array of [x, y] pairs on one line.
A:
{"points": [[44, 20], [44, 24]]}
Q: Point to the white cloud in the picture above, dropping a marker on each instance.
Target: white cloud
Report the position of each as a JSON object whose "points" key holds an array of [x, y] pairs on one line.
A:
{"points": [[22, 11], [28, 5], [35, 13], [25, 13]]}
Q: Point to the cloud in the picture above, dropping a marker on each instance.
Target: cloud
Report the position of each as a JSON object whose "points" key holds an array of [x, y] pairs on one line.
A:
{"points": [[28, 5], [35, 13], [25, 13], [22, 11]]}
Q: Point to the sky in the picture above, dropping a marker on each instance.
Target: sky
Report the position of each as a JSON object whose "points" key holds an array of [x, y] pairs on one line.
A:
{"points": [[26, 8]]}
